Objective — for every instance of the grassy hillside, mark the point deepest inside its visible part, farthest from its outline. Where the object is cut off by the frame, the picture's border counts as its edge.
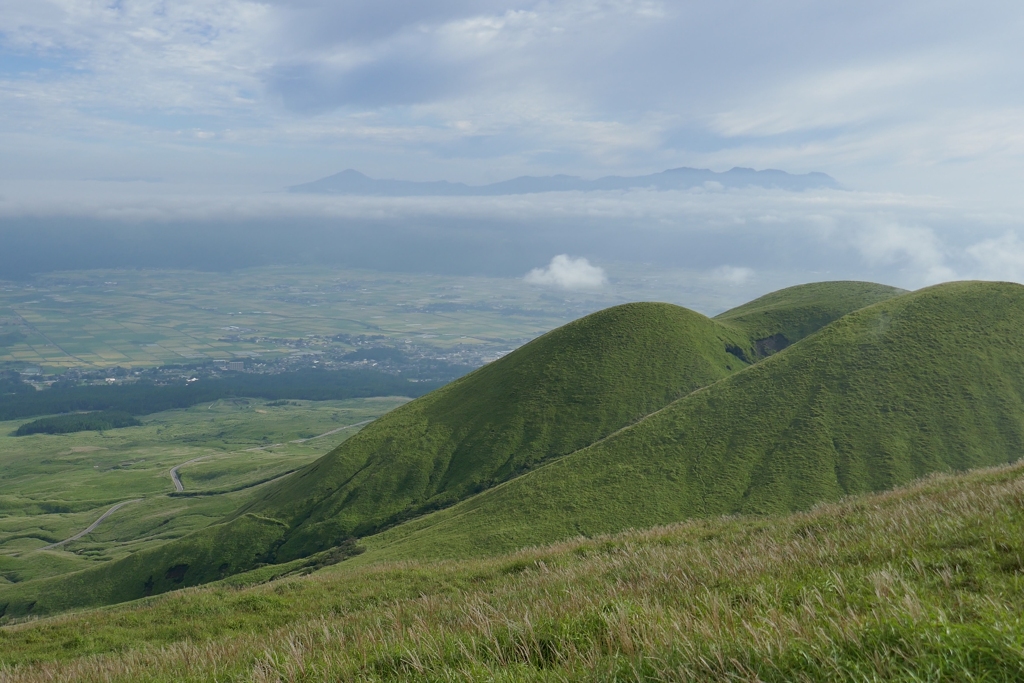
(928, 381)
(776, 320)
(552, 441)
(919, 584)
(554, 396)
(55, 486)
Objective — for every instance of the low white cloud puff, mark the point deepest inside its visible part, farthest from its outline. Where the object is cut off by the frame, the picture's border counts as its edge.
(733, 275)
(568, 273)
(999, 258)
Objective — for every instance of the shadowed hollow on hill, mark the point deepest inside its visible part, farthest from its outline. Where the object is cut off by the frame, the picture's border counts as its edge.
(776, 320)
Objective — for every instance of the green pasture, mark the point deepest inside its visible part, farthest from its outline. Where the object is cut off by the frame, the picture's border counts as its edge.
(55, 485)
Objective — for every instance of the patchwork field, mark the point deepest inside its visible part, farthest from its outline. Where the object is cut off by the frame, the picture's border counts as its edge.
(56, 485)
(137, 318)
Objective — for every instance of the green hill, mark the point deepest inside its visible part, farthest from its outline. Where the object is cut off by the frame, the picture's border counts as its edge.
(557, 394)
(551, 397)
(636, 415)
(928, 381)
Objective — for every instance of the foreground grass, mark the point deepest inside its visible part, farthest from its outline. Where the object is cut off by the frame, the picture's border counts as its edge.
(923, 583)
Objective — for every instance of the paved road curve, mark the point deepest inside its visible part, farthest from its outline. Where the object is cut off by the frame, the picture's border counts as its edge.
(174, 472)
(318, 436)
(91, 526)
(178, 486)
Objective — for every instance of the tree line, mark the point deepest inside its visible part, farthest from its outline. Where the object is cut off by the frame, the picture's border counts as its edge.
(19, 400)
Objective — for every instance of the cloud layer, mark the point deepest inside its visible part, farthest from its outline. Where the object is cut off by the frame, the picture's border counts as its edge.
(906, 96)
(141, 118)
(739, 238)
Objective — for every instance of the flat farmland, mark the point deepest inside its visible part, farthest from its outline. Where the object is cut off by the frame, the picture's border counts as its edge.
(154, 318)
(138, 318)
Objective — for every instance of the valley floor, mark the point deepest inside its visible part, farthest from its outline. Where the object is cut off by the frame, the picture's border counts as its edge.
(925, 583)
(180, 470)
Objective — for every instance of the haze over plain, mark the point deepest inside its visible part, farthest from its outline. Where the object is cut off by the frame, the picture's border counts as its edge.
(153, 124)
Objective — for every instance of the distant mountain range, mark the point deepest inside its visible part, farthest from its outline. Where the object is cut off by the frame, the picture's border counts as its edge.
(352, 182)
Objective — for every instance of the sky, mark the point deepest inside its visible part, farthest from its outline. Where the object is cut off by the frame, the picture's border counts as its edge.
(143, 109)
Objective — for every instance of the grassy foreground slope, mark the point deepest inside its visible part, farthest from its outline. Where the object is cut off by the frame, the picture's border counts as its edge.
(928, 381)
(918, 584)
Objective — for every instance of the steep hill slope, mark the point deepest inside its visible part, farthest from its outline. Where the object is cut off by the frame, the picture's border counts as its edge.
(551, 397)
(554, 396)
(928, 381)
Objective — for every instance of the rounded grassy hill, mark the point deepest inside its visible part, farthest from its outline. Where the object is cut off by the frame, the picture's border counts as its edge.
(776, 320)
(637, 415)
(930, 381)
(555, 395)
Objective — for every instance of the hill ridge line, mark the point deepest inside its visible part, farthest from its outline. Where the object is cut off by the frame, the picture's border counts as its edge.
(552, 461)
(665, 407)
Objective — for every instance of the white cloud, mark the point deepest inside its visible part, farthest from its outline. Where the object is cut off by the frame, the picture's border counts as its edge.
(914, 248)
(733, 275)
(568, 273)
(999, 258)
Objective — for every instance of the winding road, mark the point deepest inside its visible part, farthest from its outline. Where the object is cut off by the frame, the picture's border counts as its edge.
(179, 487)
(91, 526)
(174, 470)
(333, 431)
